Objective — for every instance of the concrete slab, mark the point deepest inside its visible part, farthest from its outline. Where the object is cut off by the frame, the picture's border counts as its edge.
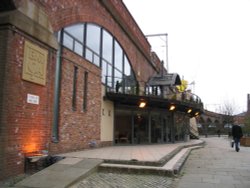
(172, 167)
(143, 158)
(61, 174)
(152, 153)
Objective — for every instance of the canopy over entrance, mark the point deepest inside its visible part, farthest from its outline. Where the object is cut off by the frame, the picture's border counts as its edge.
(165, 80)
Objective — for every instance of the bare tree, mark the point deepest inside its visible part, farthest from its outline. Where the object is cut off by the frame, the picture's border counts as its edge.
(228, 109)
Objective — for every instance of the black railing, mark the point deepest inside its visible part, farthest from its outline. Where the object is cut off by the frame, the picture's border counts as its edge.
(122, 86)
(185, 97)
(132, 87)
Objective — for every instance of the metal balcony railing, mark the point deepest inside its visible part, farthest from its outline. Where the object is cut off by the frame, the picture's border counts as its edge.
(130, 86)
(122, 86)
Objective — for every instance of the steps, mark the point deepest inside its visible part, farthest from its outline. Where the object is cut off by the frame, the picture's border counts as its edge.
(156, 159)
(171, 167)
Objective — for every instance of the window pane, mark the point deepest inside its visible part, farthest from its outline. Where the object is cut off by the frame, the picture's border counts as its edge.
(96, 60)
(118, 75)
(89, 55)
(76, 31)
(93, 38)
(127, 67)
(118, 56)
(107, 46)
(109, 74)
(104, 71)
(68, 41)
(92, 57)
(78, 48)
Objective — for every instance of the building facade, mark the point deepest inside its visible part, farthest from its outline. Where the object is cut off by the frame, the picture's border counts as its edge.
(210, 122)
(72, 79)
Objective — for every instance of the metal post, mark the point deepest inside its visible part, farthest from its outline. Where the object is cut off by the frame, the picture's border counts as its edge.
(166, 35)
(133, 127)
(172, 128)
(149, 127)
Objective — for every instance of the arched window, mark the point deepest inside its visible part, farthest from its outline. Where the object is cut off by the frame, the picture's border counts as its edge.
(99, 47)
(73, 38)
(93, 38)
(118, 56)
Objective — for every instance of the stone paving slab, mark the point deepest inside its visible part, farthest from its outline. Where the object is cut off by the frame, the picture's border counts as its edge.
(217, 165)
(171, 168)
(142, 153)
(61, 174)
(78, 165)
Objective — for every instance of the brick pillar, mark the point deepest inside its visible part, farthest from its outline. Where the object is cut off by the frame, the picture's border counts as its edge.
(3, 54)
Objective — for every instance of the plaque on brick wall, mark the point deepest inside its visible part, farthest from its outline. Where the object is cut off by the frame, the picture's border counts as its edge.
(35, 63)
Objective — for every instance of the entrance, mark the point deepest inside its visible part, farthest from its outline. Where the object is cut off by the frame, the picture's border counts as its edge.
(161, 127)
(123, 127)
(142, 126)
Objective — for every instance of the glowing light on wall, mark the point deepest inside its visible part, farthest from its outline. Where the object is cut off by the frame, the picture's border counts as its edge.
(172, 107)
(197, 113)
(32, 142)
(30, 147)
(142, 104)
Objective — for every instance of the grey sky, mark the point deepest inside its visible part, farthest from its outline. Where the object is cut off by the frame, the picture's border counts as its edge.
(208, 43)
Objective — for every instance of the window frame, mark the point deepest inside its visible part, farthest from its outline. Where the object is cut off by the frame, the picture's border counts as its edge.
(93, 55)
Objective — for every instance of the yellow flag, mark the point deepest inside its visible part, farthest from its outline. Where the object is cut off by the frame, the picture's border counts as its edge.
(183, 86)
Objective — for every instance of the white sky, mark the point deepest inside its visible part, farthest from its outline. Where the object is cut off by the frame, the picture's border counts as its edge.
(208, 43)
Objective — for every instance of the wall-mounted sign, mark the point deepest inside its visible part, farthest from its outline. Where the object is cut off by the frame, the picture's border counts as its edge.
(35, 63)
(32, 99)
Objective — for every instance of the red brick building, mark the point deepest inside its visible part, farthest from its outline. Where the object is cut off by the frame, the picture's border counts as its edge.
(72, 73)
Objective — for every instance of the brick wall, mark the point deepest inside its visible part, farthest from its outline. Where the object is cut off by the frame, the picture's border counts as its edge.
(64, 12)
(77, 128)
(26, 126)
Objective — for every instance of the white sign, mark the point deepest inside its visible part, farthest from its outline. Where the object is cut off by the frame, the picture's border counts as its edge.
(32, 99)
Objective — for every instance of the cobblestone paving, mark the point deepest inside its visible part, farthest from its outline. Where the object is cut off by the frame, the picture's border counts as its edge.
(115, 180)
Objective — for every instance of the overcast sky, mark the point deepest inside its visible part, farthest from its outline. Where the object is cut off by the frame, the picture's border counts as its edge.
(208, 43)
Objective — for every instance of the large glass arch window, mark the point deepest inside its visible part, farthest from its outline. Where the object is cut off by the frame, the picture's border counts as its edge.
(127, 67)
(76, 31)
(107, 57)
(73, 38)
(107, 46)
(93, 43)
(99, 47)
(118, 61)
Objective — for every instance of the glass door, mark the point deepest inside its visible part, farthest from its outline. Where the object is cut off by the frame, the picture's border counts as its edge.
(156, 127)
(123, 127)
(140, 127)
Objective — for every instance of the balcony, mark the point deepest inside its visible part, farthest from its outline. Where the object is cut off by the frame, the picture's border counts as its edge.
(132, 93)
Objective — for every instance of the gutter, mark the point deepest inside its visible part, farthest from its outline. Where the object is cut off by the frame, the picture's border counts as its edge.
(56, 103)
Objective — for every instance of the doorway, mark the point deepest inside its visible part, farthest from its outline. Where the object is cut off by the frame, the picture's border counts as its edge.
(133, 126)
